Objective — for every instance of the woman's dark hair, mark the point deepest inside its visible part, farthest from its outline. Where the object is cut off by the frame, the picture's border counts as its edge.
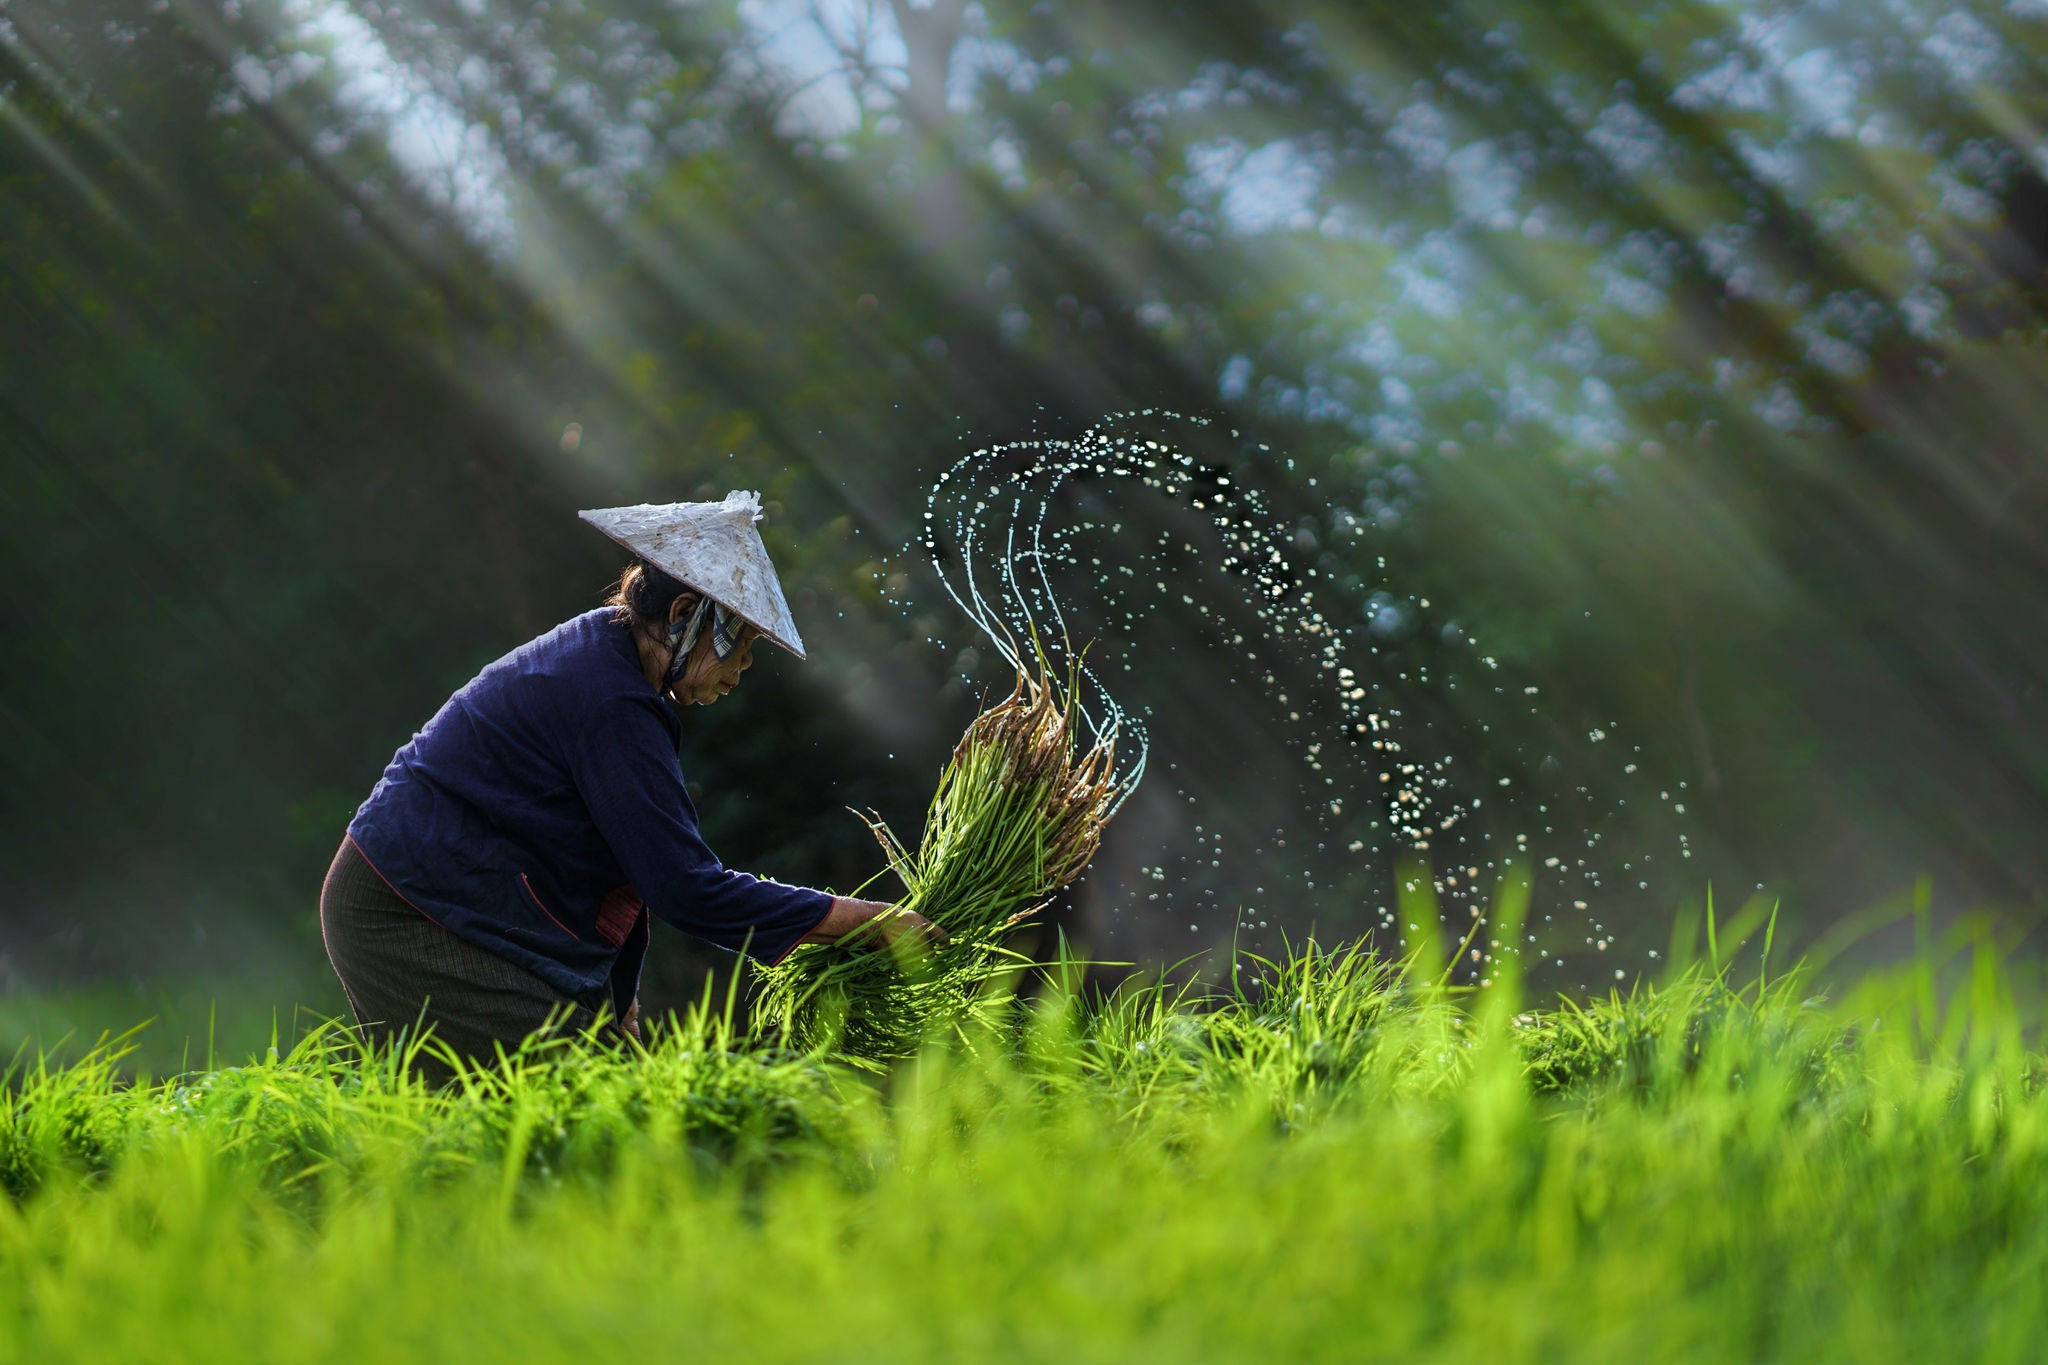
(643, 595)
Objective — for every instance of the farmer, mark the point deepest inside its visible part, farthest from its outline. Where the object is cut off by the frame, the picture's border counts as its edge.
(498, 881)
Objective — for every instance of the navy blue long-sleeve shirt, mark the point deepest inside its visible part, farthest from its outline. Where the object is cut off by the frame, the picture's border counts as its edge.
(541, 813)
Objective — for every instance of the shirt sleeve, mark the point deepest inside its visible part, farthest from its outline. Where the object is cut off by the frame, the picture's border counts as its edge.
(628, 776)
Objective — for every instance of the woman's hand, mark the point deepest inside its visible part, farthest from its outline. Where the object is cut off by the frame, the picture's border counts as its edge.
(909, 934)
(903, 931)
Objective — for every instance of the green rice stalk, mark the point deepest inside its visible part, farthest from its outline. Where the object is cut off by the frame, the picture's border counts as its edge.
(1018, 814)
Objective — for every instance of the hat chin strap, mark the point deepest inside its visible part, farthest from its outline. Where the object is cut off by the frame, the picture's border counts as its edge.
(683, 633)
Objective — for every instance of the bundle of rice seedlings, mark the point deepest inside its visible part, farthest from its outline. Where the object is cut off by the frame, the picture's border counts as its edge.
(1018, 813)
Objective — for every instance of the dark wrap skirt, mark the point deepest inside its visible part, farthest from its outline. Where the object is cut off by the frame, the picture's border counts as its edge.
(403, 973)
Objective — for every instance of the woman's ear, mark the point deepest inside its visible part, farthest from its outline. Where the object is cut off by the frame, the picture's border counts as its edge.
(685, 603)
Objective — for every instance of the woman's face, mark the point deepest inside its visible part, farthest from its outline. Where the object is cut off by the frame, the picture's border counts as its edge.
(707, 677)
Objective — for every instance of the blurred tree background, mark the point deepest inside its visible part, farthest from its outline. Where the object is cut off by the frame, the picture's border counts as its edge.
(1686, 356)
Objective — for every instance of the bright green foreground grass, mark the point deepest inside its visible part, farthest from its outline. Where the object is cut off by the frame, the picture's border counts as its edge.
(1339, 1164)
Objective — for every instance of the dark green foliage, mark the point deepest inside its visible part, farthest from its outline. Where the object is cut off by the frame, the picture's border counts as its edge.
(271, 402)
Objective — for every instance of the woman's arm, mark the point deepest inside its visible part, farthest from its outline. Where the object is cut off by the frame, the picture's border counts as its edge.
(626, 771)
(896, 926)
(623, 764)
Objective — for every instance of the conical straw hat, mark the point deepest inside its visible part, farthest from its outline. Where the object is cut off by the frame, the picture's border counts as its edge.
(713, 547)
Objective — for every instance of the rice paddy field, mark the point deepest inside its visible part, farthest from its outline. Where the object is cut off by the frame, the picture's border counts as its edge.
(1334, 1157)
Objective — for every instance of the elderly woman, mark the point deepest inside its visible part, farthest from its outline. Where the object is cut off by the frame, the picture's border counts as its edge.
(498, 880)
